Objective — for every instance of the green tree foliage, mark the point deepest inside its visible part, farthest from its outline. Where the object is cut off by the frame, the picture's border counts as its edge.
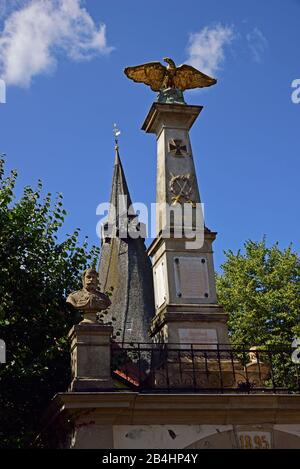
(260, 291)
(36, 274)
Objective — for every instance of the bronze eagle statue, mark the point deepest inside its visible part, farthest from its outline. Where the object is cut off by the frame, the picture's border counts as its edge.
(159, 77)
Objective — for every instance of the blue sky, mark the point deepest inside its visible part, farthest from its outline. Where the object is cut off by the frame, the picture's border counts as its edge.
(66, 88)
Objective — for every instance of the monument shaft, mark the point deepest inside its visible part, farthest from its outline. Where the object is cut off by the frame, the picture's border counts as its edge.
(183, 271)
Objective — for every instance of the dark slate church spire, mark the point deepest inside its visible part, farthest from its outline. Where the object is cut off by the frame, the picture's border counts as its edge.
(125, 266)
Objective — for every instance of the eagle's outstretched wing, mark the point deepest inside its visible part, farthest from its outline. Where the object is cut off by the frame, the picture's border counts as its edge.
(152, 74)
(188, 77)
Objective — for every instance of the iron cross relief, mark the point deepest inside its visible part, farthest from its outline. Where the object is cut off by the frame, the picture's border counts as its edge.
(177, 148)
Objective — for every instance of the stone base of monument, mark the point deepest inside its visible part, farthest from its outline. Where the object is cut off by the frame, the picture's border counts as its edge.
(198, 324)
(90, 357)
(210, 374)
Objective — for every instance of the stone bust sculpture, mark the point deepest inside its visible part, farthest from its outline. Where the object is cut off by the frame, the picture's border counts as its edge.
(89, 299)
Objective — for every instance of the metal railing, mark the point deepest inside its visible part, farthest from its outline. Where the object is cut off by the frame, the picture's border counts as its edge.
(203, 368)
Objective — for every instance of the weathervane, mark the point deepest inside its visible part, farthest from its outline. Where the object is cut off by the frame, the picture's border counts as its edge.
(116, 133)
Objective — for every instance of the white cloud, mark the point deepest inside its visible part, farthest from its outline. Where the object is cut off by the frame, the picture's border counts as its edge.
(257, 43)
(206, 48)
(34, 34)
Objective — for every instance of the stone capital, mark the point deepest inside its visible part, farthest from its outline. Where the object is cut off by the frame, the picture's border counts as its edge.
(170, 115)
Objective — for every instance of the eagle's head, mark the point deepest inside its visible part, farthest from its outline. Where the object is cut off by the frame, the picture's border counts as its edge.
(170, 62)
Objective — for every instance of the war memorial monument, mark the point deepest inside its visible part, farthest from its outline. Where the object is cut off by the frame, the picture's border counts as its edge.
(171, 379)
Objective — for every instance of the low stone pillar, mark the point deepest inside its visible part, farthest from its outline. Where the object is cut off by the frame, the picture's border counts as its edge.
(90, 357)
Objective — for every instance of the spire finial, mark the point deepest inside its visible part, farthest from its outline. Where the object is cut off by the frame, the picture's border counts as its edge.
(116, 133)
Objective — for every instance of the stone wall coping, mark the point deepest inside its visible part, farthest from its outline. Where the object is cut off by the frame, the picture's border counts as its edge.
(123, 408)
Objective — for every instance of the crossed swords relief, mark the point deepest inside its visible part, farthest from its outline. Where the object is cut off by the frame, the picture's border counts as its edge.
(181, 187)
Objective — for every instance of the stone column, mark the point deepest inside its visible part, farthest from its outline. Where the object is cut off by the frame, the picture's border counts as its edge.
(175, 164)
(90, 357)
(184, 277)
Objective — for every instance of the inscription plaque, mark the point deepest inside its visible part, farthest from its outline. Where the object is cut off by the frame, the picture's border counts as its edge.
(202, 338)
(159, 284)
(191, 277)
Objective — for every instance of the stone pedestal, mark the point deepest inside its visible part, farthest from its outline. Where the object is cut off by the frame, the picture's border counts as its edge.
(202, 326)
(90, 357)
(186, 305)
(183, 270)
